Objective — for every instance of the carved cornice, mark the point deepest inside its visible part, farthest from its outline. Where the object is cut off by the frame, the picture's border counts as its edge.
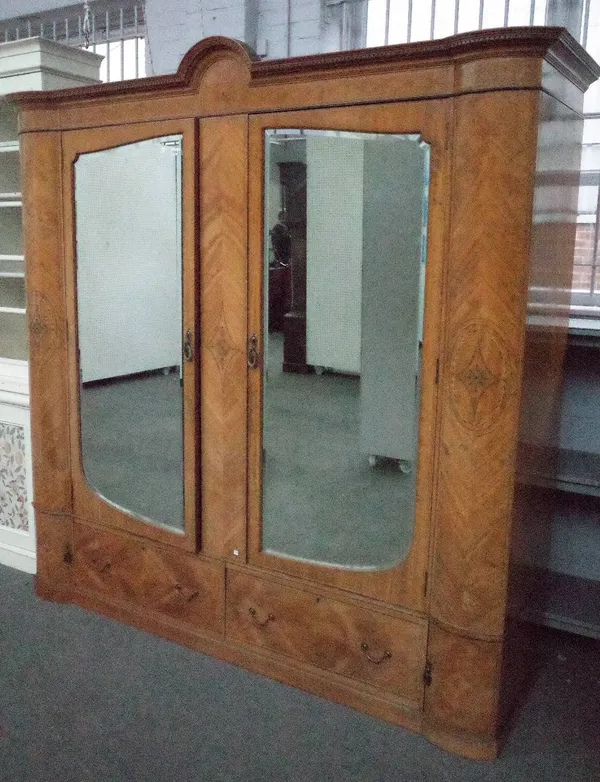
(199, 56)
(554, 44)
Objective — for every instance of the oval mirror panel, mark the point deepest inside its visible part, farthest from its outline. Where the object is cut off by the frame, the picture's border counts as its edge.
(345, 234)
(129, 326)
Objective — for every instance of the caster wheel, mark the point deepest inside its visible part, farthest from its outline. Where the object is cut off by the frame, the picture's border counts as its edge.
(319, 370)
(372, 461)
(404, 466)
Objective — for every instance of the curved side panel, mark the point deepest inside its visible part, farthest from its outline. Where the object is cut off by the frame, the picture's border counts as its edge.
(461, 703)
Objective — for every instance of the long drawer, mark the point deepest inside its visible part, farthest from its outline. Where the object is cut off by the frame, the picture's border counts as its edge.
(178, 585)
(385, 651)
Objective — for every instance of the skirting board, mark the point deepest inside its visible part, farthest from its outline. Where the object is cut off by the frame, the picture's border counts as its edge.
(18, 558)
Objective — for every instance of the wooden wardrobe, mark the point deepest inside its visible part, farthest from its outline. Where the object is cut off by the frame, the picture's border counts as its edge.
(407, 605)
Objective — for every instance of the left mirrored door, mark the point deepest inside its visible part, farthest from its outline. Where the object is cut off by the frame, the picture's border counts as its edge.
(134, 332)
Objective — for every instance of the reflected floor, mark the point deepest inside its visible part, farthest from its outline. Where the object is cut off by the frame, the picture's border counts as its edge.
(132, 444)
(321, 499)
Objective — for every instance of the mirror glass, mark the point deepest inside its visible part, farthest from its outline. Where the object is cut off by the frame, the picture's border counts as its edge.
(344, 269)
(129, 312)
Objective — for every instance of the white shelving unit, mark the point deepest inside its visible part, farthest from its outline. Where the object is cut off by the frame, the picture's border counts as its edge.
(28, 64)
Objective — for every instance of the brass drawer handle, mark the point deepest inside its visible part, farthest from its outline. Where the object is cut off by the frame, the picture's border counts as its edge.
(185, 592)
(253, 354)
(257, 622)
(377, 660)
(101, 565)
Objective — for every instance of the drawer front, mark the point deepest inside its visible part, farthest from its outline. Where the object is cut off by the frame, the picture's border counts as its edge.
(385, 651)
(175, 584)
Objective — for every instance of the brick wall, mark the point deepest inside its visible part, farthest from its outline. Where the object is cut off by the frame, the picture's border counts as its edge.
(172, 28)
(306, 25)
(583, 260)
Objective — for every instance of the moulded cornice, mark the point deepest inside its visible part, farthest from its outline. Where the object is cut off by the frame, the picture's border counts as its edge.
(553, 44)
(197, 58)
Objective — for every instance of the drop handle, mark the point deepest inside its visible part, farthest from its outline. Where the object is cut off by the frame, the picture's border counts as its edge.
(101, 565)
(188, 350)
(253, 357)
(257, 622)
(376, 660)
(186, 593)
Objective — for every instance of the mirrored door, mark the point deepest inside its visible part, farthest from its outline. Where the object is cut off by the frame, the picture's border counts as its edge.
(345, 355)
(135, 329)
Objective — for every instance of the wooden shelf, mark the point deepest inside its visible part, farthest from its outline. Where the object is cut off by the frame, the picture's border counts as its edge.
(577, 472)
(567, 603)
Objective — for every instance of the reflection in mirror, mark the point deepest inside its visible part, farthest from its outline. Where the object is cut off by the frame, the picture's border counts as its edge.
(128, 274)
(345, 229)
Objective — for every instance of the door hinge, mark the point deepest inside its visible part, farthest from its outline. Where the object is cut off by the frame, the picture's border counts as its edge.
(427, 674)
(68, 555)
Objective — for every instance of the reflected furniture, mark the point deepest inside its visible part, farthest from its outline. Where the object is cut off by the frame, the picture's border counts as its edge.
(27, 64)
(292, 178)
(430, 639)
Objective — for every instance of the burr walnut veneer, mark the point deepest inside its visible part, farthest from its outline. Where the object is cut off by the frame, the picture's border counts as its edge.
(433, 643)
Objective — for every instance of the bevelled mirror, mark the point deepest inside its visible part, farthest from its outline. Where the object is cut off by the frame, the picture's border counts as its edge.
(129, 323)
(345, 219)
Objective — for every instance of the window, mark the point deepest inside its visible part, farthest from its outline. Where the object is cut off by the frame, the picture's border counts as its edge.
(400, 21)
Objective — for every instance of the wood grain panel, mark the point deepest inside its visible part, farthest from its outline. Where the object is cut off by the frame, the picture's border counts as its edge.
(487, 272)
(353, 641)
(223, 281)
(54, 534)
(404, 584)
(461, 704)
(48, 362)
(180, 586)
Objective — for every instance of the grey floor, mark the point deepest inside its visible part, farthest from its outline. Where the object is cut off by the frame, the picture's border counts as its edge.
(84, 698)
(321, 499)
(132, 444)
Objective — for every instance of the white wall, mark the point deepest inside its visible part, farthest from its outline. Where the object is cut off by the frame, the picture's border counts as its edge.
(303, 20)
(128, 261)
(334, 244)
(172, 28)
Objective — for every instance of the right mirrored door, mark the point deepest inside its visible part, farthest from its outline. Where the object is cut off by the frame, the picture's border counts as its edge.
(344, 248)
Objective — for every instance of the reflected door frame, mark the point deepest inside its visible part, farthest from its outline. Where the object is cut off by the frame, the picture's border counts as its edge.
(405, 584)
(87, 503)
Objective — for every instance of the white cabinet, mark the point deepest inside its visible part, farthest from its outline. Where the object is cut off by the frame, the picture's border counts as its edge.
(28, 64)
